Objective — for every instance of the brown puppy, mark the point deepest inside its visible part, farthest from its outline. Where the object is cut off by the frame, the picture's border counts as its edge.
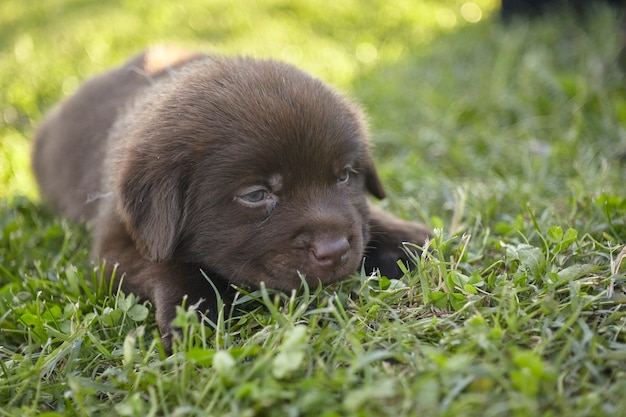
(248, 170)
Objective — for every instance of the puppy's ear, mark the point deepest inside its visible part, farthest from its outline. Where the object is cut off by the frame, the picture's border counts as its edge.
(152, 206)
(372, 181)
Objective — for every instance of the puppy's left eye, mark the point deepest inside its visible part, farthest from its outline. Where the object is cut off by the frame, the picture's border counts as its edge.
(344, 176)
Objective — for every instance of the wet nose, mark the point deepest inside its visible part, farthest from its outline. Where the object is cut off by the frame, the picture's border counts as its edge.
(330, 252)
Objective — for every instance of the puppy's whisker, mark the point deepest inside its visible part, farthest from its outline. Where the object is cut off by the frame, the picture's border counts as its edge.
(97, 196)
(145, 74)
(237, 275)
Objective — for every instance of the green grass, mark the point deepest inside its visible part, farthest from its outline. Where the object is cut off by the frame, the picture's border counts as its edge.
(509, 141)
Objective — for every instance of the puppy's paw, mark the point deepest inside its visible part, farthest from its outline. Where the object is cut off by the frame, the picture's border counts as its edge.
(166, 315)
(385, 247)
(186, 285)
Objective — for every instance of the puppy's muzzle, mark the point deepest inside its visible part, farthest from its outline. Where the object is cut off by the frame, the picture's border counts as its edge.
(329, 253)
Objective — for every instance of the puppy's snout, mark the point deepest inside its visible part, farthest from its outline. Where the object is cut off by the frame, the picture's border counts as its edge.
(330, 252)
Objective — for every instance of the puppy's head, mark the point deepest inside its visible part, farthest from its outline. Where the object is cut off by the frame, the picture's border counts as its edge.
(251, 169)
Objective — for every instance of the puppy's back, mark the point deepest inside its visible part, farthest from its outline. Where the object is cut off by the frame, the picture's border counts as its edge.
(71, 143)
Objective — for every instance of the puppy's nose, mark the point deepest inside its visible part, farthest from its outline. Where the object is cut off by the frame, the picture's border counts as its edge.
(330, 252)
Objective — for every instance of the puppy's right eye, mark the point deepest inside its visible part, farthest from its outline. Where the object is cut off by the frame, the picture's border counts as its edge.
(255, 196)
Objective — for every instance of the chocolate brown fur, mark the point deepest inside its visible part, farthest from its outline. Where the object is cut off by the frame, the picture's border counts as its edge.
(249, 170)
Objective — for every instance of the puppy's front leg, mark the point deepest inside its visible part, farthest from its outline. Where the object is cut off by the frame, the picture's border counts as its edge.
(172, 282)
(387, 233)
(165, 284)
